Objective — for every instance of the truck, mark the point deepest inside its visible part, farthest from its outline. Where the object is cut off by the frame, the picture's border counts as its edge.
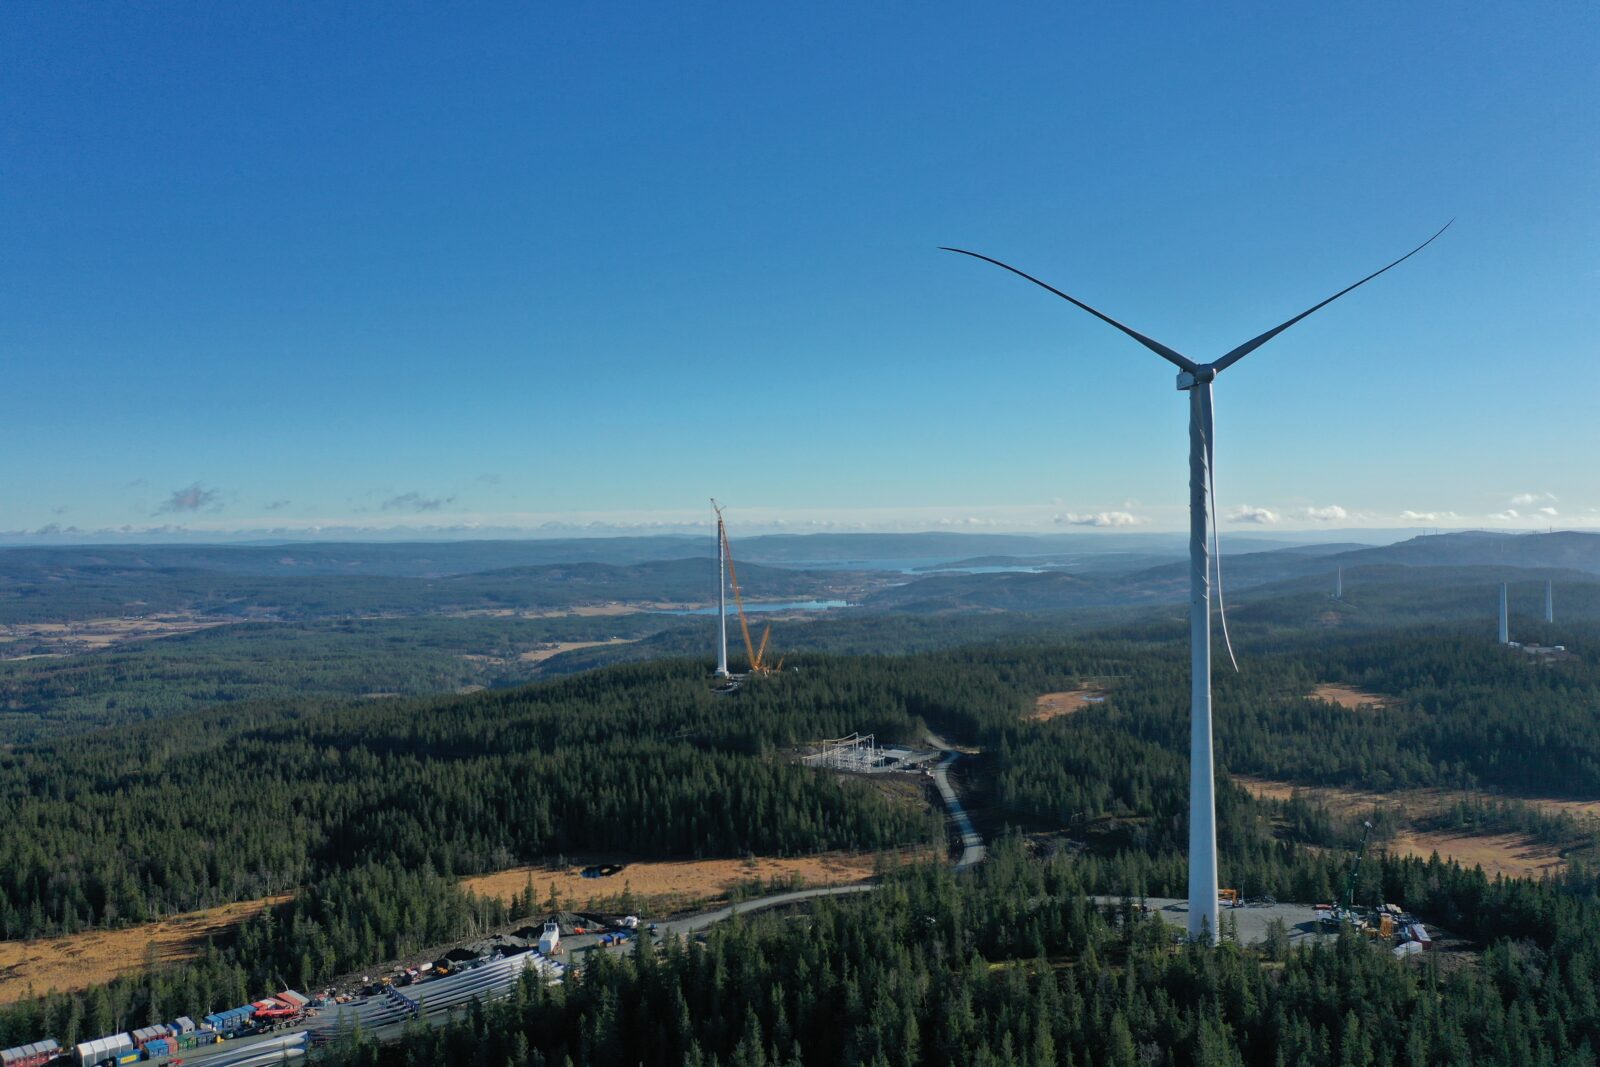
(550, 939)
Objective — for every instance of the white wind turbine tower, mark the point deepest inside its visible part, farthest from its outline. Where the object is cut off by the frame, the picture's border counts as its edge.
(722, 596)
(1195, 379)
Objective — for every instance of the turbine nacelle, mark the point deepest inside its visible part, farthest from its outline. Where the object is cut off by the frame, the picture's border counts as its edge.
(1188, 379)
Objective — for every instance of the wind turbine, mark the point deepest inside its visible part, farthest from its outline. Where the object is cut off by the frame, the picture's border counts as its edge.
(722, 596)
(1195, 379)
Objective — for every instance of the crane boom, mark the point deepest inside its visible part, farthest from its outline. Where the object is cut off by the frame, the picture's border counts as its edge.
(1355, 869)
(758, 656)
(738, 599)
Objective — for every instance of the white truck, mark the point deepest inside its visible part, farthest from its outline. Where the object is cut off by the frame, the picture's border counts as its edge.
(550, 940)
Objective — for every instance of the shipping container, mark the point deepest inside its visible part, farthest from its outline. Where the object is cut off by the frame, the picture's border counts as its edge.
(35, 1055)
(197, 1039)
(99, 1050)
(181, 1025)
(227, 1021)
(145, 1034)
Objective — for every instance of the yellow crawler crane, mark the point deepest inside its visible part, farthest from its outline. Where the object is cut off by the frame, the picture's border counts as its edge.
(758, 656)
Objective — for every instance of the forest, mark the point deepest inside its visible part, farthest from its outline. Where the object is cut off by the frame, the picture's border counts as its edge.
(261, 797)
(372, 809)
(1016, 966)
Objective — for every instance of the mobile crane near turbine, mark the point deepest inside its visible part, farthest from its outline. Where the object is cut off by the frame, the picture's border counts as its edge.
(756, 654)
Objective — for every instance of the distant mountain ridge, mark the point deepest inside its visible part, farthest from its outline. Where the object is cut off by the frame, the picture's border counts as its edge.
(1486, 554)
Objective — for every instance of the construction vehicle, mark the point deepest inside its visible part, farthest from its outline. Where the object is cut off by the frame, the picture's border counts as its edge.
(1229, 897)
(759, 663)
(550, 939)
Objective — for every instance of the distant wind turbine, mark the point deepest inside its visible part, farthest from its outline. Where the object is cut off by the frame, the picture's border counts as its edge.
(1195, 379)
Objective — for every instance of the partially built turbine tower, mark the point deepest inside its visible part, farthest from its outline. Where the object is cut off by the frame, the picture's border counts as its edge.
(1505, 617)
(1549, 600)
(722, 595)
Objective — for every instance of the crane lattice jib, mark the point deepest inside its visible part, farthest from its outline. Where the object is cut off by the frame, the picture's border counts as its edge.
(738, 599)
(1355, 870)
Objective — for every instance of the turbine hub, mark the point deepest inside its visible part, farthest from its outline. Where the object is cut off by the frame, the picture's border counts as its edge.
(1202, 374)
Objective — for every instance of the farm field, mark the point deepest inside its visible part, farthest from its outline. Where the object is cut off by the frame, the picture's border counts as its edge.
(32, 640)
(78, 961)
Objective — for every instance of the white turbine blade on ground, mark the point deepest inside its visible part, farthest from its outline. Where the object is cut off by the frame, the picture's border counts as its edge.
(1180, 361)
(1209, 427)
(1250, 346)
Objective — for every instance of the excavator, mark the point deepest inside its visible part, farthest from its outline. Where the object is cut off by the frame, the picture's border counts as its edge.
(759, 663)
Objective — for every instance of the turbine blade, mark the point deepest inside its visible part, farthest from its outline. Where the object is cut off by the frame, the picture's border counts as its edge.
(1208, 430)
(1177, 360)
(1250, 346)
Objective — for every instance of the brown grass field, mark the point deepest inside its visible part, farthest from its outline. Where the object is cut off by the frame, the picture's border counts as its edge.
(1054, 705)
(78, 961)
(1514, 855)
(1347, 696)
(555, 648)
(668, 886)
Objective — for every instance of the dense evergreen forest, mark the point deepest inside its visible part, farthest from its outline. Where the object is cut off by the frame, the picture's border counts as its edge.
(1015, 966)
(263, 797)
(348, 920)
(118, 827)
(373, 809)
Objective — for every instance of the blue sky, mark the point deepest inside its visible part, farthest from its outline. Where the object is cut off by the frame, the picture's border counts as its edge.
(344, 268)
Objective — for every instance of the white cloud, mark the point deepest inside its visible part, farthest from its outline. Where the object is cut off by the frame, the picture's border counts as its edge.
(1551, 512)
(1103, 519)
(1428, 516)
(1259, 516)
(1331, 513)
(1507, 515)
(193, 498)
(1524, 499)
(970, 522)
(415, 501)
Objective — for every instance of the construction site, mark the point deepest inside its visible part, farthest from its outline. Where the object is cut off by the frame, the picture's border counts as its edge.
(757, 661)
(861, 754)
